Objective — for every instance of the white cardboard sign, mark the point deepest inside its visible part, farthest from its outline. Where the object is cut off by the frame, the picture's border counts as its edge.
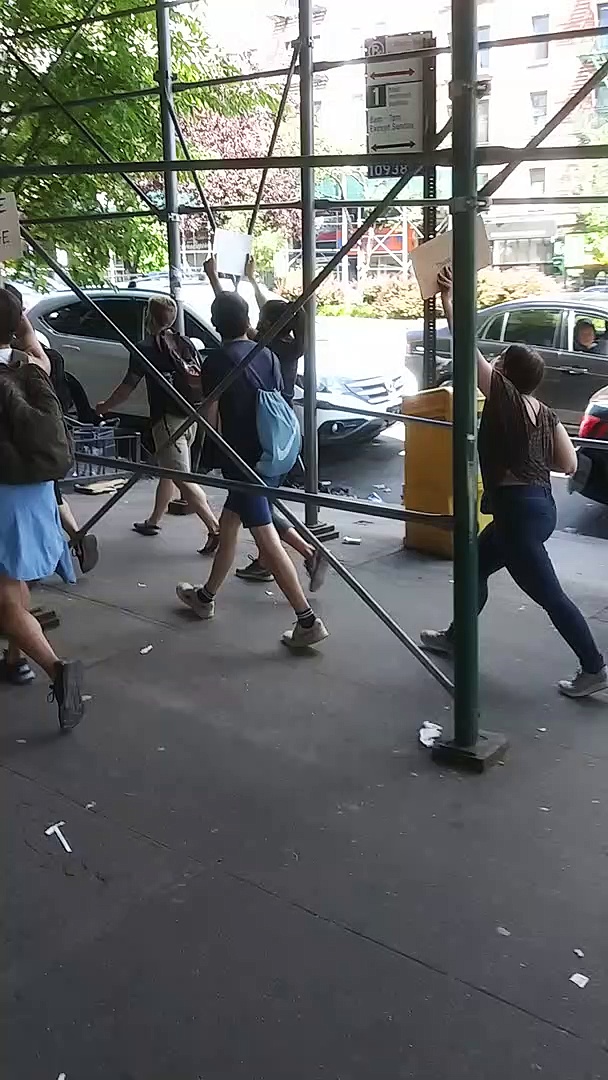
(231, 250)
(10, 237)
(428, 259)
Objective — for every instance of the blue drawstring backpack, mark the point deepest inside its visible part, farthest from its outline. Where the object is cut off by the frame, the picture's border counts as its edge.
(278, 428)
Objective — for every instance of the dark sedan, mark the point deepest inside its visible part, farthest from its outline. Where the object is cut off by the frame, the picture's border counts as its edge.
(570, 331)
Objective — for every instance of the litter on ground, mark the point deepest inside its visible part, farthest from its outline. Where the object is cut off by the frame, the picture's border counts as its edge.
(146, 650)
(429, 733)
(579, 980)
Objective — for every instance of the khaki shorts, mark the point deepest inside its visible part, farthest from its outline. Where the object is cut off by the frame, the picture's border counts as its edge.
(176, 456)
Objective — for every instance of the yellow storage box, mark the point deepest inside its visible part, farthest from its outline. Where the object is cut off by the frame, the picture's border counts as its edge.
(428, 470)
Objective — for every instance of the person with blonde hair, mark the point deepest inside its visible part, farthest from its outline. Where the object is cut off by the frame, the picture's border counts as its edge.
(176, 358)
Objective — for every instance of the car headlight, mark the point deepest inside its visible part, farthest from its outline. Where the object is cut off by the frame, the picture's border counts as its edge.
(330, 384)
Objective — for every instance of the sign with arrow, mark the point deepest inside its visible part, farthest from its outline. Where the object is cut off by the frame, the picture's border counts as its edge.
(394, 100)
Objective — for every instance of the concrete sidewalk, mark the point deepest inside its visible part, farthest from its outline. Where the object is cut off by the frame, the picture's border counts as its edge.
(271, 878)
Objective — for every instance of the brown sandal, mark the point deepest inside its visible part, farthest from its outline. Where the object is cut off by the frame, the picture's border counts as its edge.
(212, 544)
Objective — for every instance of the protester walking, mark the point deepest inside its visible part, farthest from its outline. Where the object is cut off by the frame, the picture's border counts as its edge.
(288, 347)
(237, 410)
(520, 441)
(176, 358)
(85, 548)
(34, 451)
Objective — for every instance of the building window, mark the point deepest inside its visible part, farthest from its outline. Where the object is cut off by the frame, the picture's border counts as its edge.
(483, 34)
(538, 102)
(540, 25)
(483, 121)
(602, 20)
(537, 182)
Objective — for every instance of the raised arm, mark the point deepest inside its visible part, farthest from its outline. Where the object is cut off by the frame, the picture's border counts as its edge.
(210, 268)
(260, 298)
(484, 368)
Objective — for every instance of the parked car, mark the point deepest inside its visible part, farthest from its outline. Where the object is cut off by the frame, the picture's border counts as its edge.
(572, 376)
(591, 478)
(97, 360)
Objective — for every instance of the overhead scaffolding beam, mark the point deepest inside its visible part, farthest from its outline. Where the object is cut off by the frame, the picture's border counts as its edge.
(320, 204)
(485, 155)
(319, 67)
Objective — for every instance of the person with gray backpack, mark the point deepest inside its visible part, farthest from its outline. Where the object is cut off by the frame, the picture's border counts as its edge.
(259, 425)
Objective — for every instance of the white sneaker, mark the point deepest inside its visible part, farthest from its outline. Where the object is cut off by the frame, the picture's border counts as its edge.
(316, 568)
(188, 594)
(302, 637)
(583, 684)
(437, 641)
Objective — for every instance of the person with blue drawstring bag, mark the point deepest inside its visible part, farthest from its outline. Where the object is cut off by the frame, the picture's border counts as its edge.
(259, 425)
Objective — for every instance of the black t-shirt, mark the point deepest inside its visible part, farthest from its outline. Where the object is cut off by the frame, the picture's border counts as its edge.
(238, 404)
(159, 401)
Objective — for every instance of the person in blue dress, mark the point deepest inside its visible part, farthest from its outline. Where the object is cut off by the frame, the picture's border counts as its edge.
(32, 546)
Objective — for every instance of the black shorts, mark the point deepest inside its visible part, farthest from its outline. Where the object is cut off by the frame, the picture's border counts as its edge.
(58, 495)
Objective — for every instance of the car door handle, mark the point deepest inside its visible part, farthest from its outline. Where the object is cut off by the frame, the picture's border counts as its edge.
(74, 348)
(577, 371)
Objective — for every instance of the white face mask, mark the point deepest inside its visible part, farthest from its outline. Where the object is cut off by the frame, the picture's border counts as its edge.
(5, 355)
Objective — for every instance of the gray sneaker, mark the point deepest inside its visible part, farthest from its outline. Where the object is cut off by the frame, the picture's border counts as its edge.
(437, 641)
(302, 638)
(188, 594)
(316, 568)
(583, 684)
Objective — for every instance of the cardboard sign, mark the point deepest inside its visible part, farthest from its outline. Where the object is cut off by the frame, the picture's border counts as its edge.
(10, 237)
(231, 250)
(428, 259)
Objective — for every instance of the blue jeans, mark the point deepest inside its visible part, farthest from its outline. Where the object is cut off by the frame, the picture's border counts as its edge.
(524, 519)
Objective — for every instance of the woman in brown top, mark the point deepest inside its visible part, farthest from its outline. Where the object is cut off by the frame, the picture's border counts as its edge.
(520, 441)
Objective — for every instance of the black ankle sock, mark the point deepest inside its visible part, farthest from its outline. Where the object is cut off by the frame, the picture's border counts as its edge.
(205, 596)
(306, 619)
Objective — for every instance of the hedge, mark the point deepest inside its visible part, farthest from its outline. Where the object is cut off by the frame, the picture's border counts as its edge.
(394, 298)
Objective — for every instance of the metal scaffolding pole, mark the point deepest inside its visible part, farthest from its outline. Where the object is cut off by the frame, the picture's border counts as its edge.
(467, 745)
(165, 82)
(309, 266)
(184, 145)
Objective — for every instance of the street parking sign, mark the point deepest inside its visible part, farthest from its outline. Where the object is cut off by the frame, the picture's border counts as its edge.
(394, 100)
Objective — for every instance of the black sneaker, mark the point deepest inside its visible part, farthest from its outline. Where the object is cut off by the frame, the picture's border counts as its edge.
(66, 690)
(254, 572)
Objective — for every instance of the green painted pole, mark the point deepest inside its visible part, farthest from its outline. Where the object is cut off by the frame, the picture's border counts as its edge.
(466, 644)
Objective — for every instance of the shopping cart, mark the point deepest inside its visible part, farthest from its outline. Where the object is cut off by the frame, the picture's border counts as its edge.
(104, 440)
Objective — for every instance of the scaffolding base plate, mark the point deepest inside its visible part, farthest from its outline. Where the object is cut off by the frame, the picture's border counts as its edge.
(324, 531)
(489, 749)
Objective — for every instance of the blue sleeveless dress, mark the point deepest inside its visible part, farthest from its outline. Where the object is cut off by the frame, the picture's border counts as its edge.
(32, 544)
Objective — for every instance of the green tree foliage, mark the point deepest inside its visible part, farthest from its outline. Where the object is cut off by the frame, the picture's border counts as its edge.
(103, 58)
